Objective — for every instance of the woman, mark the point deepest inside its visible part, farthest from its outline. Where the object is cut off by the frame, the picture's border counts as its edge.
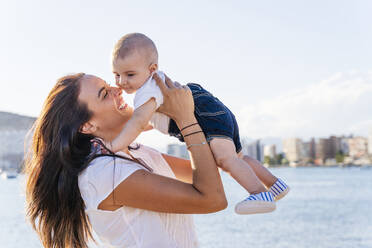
(130, 199)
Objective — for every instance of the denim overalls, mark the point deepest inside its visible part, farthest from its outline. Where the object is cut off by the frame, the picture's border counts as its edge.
(215, 119)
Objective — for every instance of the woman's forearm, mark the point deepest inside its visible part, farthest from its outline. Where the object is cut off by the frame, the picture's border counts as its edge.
(206, 178)
(206, 185)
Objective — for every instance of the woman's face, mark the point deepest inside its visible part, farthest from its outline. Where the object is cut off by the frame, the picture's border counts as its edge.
(110, 112)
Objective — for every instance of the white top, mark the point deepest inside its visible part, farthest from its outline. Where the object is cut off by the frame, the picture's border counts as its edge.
(132, 227)
(151, 90)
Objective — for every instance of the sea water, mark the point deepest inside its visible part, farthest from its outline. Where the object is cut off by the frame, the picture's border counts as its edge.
(326, 208)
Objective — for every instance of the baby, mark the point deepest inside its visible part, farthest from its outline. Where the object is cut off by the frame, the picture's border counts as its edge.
(135, 59)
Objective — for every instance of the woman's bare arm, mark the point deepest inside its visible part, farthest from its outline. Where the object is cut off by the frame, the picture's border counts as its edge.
(180, 167)
(149, 191)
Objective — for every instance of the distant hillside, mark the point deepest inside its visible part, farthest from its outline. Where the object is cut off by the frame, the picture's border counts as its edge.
(10, 121)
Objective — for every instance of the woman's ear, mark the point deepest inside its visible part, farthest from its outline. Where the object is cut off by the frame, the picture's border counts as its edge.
(153, 67)
(88, 128)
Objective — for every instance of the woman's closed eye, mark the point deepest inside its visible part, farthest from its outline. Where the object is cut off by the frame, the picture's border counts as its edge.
(106, 93)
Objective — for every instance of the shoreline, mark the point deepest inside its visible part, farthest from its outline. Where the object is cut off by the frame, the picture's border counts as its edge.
(321, 166)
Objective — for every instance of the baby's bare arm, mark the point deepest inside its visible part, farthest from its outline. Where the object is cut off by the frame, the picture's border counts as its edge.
(136, 124)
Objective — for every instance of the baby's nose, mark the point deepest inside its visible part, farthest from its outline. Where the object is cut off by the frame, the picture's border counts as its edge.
(122, 81)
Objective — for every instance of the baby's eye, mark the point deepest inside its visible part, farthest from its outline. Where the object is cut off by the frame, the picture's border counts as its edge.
(130, 74)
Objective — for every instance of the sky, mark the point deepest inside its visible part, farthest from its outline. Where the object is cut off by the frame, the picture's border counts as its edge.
(285, 68)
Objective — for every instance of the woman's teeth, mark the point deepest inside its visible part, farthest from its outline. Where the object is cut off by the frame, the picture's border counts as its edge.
(122, 106)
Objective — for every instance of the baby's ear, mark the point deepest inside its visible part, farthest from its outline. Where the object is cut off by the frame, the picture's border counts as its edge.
(153, 67)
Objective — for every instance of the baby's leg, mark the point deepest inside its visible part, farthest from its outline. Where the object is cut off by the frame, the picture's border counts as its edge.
(276, 186)
(228, 160)
(260, 201)
(262, 173)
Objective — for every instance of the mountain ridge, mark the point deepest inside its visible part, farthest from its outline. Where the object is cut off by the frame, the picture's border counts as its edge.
(11, 121)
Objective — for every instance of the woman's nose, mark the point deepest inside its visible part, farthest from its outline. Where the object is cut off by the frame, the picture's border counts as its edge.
(115, 90)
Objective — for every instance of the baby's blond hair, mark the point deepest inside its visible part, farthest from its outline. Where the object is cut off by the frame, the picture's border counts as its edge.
(135, 42)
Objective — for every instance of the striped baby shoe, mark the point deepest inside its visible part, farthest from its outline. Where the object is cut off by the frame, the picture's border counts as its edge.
(279, 189)
(256, 204)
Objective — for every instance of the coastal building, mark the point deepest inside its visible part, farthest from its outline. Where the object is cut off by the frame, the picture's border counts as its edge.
(253, 149)
(178, 150)
(270, 151)
(345, 145)
(323, 151)
(334, 146)
(358, 147)
(292, 147)
(308, 151)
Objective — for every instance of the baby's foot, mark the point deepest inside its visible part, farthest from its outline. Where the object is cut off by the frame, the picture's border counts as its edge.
(256, 204)
(279, 189)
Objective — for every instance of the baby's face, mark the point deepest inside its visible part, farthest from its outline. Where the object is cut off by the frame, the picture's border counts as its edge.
(131, 72)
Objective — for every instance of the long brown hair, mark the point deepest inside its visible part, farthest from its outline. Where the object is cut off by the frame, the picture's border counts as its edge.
(59, 152)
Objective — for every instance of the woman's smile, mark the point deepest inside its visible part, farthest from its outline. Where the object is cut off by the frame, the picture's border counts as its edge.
(119, 101)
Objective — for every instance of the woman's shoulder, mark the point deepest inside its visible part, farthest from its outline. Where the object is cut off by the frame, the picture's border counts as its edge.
(104, 166)
(140, 148)
(154, 160)
(102, 175)
(151, 155)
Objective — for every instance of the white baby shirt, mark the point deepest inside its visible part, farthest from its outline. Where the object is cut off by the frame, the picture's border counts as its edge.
(151, 90)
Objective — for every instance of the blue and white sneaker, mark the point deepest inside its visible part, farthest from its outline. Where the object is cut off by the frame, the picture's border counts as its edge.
(256, 204)
(279, 189)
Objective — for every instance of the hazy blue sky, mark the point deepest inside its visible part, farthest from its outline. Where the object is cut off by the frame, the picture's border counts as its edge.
(286, 68)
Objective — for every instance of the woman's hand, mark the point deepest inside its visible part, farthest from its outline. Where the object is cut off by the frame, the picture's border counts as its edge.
(178, 101)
